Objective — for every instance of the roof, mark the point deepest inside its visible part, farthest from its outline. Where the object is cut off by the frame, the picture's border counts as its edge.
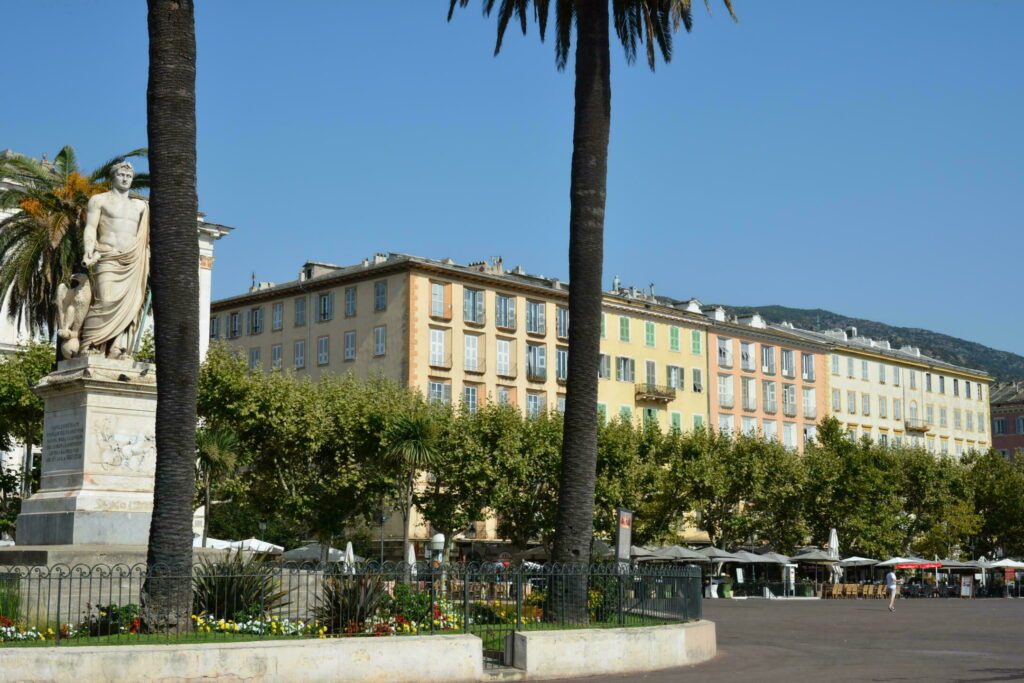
(1009, 392)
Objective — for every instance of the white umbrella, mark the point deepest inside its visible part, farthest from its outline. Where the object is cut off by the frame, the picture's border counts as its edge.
(255, 545)
(350, 558)
(833, 543)
(856, 561)
(312, 552)
(215, 543)
(410, 559)
(1007, 564)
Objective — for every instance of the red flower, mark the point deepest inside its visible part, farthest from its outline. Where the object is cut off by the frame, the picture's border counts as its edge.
(5, 622)
(135, 626)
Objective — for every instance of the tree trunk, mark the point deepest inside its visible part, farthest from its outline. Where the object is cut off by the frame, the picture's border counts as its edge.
(206, 506)
(174, 265)
(575, 519)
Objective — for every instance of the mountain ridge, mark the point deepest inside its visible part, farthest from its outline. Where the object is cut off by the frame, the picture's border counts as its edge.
(1002, 365)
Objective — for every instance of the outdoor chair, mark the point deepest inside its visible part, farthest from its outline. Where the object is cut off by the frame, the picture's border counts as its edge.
(826, 591)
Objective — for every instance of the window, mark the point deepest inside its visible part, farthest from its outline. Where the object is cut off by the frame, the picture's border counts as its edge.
(471, 354)
(807, 366)
(695, 345)
(897, 409)
(1020, 425)
(604, 369)
(535, 317)
(748, 425)
(380, 340)
(928, 381)
(473, 306)
(929, 414)
(350, 302)
(957, 419)
(562, 322)
(300, 311)
(970, 420)
(234, 326)
(560, 404)
(810, 433)
(534, 404)
(469, 397)
(505, 312)
(602, 413)
(943, 417)
(788, 364)
(698, 382)
(851, 402)
(865, 403)
(324, 307)
(255, 317)
(677, 422)
(277, 316)
(768, 398)
(676, 377)
(698, 421)
(967, 389)
(849, 368)
(837, 401)
(438, 348)
(747, 361)
(504, 395)
(865, 368)
(440, 301)
(956, 387)
(883, 407)
(726, 398)
(536, 362)
(626, 413)
(673, 338)
(789, 400)
(980, 391)
(883, 439)
(300, 354)
(380, 295)
(770, 429)
(350, 345)
(323, 350)
(275, 357)
(439, 392)
(649, 333)
(748, 393)
(651, 376)
(896, 376)
(651, 416)
(767, 359)
(214, 327)
(604, 331)
(835, 364)
(623, 328)
(981, 423)
(942, 384)
(726, 424)
(810, 399)
(789, 435)
(254, 358)
(724, 352)
(561, 364)
(625, 369)
(503, 355)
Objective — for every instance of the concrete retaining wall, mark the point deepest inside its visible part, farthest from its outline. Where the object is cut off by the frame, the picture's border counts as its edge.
(390, 660)
(591, 652)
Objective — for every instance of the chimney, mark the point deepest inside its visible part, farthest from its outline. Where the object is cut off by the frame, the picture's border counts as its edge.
(851, 332)
(379, 257)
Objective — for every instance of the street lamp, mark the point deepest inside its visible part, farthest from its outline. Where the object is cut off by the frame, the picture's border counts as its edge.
(436, 547)
(381, 519)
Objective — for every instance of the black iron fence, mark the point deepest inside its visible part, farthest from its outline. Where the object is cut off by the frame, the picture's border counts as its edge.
(236, 598)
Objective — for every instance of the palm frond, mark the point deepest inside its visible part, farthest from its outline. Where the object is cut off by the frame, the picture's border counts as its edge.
(101, 173)
(24, 170)
(565, 14)
(411, 440)
(66, 162)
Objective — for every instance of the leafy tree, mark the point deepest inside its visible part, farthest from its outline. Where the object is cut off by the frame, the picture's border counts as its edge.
(41, 242)
(216, 455)
(938, 502)
(21, 411)
(998, 486)
(630, 470)
(637, 22)
(10, 501)
(174, 204)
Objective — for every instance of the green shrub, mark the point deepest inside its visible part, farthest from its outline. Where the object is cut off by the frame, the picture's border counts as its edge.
(236, 587)
(112, 619)
(10, 598)
(410, 604)
(347, 602)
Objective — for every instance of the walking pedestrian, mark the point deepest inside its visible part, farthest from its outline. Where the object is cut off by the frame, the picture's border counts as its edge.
(891, 586)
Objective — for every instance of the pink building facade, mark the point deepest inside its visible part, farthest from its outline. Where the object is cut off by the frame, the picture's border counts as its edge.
(1007, 404)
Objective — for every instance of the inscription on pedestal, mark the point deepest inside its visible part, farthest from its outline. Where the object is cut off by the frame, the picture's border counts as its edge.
(63, 443)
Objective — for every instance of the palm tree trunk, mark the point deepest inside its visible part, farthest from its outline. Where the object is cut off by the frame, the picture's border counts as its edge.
(171, 110)
(575, 520)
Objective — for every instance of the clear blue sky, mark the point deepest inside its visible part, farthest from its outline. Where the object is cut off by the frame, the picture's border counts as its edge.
(864, 158)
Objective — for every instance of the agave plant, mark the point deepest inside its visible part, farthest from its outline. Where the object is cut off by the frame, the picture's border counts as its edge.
(236, 587)
(348, 601)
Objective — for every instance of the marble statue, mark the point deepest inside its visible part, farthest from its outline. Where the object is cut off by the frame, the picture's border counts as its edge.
(72, 305)
(116, 244)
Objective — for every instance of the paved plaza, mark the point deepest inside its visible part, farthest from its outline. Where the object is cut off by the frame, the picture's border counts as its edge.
(859, 640)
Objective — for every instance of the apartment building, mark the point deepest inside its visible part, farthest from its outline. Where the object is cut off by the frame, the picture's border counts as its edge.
(765, 380)
(900, 396)
(470, 334)
(1007, 405)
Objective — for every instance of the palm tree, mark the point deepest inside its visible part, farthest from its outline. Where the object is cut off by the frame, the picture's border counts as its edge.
(174, 278)
(411, 447)
(216, 454)
(637, 22)
(41, 241)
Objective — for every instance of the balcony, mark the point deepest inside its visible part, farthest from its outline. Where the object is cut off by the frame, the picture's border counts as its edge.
(536, 374)
(478, 366)
(771, 407)
(506, 370)
(810, 412)
(726, 402)
(915, 424)
(442, 312)
(562, 379)
(655, 392)
(789, 409)
(749, 406)
(443, 362)
(506, 323)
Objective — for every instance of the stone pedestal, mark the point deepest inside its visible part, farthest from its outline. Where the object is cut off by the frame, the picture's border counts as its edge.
(99, 456)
